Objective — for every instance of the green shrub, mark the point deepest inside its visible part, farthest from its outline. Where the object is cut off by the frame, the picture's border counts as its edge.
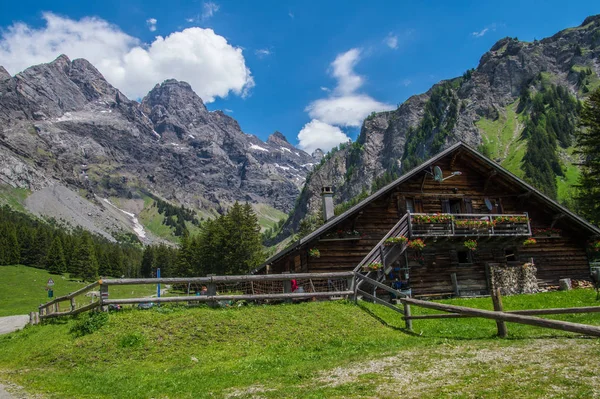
(133, 340)
(89, 323)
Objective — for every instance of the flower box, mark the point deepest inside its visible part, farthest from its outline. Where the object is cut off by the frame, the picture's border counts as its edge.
(395, 241)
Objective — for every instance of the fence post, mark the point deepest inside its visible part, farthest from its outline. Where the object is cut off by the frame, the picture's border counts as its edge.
(407, 315)
(497, 300)
(212, 290)
(103, 293)
(351, 285)
(73, 304)
(287, 287)
(455, 284)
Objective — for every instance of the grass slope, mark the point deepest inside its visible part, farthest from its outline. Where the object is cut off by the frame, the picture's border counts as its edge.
(14, 197)
(267, 215)
(23, 289)
(309, 350)
(501, 137)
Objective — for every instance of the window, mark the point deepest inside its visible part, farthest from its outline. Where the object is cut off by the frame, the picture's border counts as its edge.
(464, 257)
(455, 206)
(510, 254)
(410, 205)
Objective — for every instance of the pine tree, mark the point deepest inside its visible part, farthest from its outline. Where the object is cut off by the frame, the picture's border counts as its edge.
(12, 252)
(588, 140)
(183, 266)
(147, 262)
(86, 263)
(55, 261)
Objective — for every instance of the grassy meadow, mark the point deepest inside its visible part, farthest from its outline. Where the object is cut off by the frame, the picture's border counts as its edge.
(23, 289)
(308, 350)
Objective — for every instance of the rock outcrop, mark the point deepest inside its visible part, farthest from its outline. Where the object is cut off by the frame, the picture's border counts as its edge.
(63, 122)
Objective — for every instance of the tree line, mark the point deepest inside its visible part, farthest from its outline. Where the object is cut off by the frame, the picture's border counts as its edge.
(59, 249)
(228, 244)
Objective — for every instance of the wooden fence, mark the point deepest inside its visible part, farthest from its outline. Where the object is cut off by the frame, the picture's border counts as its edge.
(498, 314)
(273, 287)
(278, 287)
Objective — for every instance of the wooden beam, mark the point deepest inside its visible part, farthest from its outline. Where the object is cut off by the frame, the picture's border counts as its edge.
(488, 180)
(556, 218)
(510, 317)
(455, 158)
(210, 298)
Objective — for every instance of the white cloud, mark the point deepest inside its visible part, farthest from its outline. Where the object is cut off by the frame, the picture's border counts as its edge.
(344, 106)
(229, 111)
(343, 71)
(391, 41)
(348, 110)
(263, 52)
(151, 24)
(326, 89)
(209, 9)
(211, 65)
(316, 134)
(480, 33)
(490, 28)
(406, 82)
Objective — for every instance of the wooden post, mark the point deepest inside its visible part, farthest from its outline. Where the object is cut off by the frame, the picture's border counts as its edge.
(56, 307)
(407, 314)
(497, 300)
(103, 294)
(455, 284)
(510, 317)
(73, 304)
(287, 284)
(351, 282)
(211, 290)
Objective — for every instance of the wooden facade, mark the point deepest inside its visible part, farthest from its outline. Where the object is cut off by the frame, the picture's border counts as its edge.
(344, 241)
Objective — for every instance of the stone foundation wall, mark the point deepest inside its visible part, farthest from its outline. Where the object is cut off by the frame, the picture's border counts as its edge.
(515, 279)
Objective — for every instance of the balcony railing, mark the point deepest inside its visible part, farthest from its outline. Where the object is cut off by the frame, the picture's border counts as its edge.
(468, 224)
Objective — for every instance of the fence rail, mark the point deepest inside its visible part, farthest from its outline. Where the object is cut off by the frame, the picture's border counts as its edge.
(272, 287)
(280, 287)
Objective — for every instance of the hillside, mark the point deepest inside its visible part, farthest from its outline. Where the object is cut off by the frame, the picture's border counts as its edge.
(73, 147)
(519, 106)
(315, 349)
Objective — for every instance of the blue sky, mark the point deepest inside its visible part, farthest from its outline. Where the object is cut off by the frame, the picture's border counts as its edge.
(273, 63)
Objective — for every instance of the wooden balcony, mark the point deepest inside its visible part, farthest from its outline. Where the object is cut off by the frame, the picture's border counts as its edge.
(468, 225)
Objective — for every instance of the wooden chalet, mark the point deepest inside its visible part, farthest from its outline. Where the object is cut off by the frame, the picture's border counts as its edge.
(457, 195)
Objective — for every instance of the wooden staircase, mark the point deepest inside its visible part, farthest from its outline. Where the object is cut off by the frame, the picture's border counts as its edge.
(386, 255)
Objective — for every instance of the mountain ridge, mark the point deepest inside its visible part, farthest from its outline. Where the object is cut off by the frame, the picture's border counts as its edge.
(63, 124)
(392, 142)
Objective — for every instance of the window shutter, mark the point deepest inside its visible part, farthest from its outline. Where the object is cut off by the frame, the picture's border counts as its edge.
(446, 206)
(468, 205)
(418, 203)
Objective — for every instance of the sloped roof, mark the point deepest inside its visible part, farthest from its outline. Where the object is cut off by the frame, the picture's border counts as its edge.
(460, 145)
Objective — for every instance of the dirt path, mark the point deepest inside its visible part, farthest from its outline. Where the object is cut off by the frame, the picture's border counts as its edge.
(9, 324)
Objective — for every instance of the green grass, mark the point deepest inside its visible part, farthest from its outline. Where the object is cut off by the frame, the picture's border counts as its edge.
(153, 222)
(14, 197)
(308, 350)
(502, 139)
(267, 215)
(566, 183)
(23, 289)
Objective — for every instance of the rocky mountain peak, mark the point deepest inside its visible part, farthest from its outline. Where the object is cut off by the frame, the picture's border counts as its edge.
(277, 138)
(590, 19)
(4, 75)
(318, 154)
(174, 106)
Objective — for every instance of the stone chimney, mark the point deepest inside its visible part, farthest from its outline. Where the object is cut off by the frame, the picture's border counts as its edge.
(327, 198)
